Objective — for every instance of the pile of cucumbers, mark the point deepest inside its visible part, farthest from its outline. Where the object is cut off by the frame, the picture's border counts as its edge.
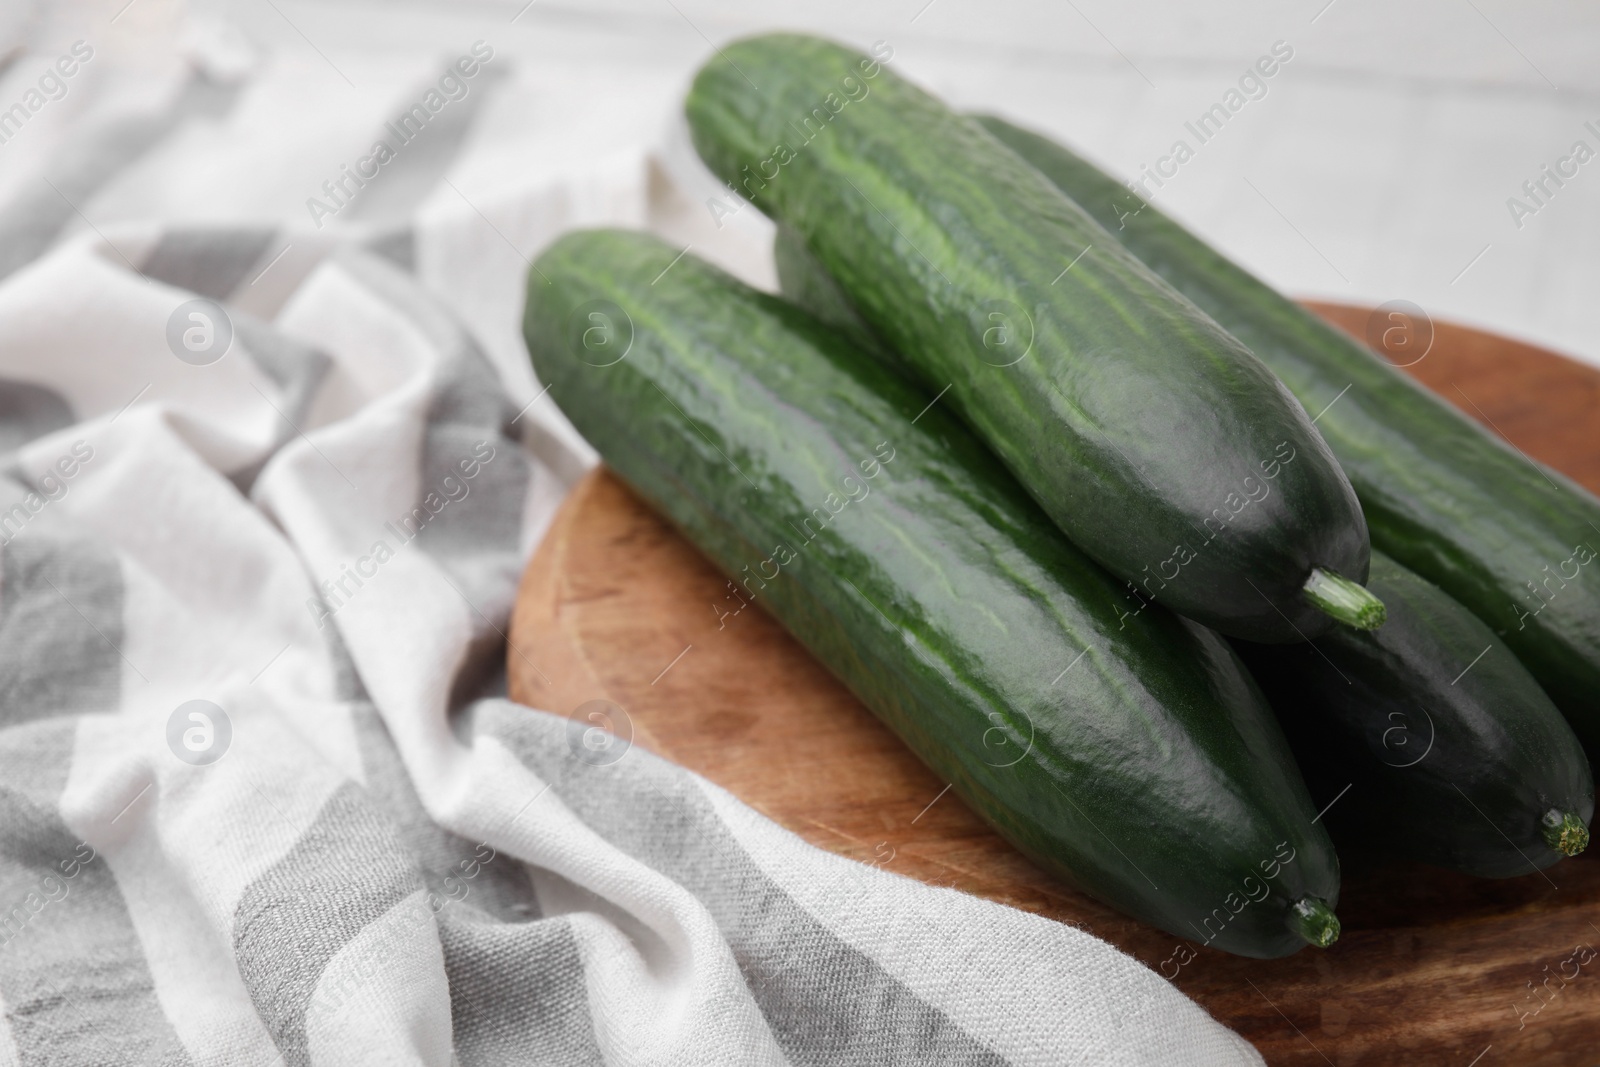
(1029, 468)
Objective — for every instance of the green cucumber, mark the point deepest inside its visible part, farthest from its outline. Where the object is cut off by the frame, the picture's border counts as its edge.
(1121, 747)
(1512, 540)
(805, 282)
(1155, 440)
(1358, 706)
(1351, 704)
(1450, 751)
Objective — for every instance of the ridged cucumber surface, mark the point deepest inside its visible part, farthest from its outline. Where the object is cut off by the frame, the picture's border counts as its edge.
(1154, 439)
(1428, 737)
(1511, 539)
(1126, 750)
(805, 282)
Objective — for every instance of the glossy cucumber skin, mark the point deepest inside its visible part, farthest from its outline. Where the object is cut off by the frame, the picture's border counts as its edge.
(1512, 540)
(1358, 707)
(1105, 394)
(1451, 750)
(1128, 753)
(806, 283)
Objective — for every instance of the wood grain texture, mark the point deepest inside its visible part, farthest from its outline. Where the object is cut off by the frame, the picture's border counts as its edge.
(1432, 969)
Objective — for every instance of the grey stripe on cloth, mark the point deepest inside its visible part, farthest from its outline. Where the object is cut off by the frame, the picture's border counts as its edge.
(31, 220)
(398, 247)
(472, 526)
(825, 1001)
(455, 869)
(28, 411)
(468, 417)
(343, 873)
(60, 627)
(73, 975)
(211, 261)
(484, 525)
(298, 371)
(467, 423)
(473, 476)
(517, 992)
(476, 537)
(393, 195)
(347, 683)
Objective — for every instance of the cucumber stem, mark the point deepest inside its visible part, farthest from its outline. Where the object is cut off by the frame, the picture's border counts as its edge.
(1345, 600)
(1564, 832)
(1312, 919)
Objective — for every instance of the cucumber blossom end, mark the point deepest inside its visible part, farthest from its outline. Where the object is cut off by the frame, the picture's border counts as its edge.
(1344, 600)
(1313, 920)
(1564, 832)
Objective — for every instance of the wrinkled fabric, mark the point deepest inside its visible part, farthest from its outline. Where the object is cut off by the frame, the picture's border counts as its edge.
(260, 798)
(266, 490)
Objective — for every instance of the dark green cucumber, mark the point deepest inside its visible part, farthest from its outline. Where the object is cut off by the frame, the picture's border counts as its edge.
(1512, 540)
(1155, 440)
(1360, 708)
(1451, 752)
(805, 282)
(1126, 750)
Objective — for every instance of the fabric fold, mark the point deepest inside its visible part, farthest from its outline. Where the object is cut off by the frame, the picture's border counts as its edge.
(266, 491)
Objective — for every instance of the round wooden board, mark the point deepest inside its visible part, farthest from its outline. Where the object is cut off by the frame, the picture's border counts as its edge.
(1433, 968)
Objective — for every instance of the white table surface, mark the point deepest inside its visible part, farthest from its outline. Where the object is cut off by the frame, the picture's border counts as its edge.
(1377, 167)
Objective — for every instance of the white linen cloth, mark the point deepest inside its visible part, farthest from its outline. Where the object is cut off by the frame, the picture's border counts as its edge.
(320, 535)
(266, 491)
